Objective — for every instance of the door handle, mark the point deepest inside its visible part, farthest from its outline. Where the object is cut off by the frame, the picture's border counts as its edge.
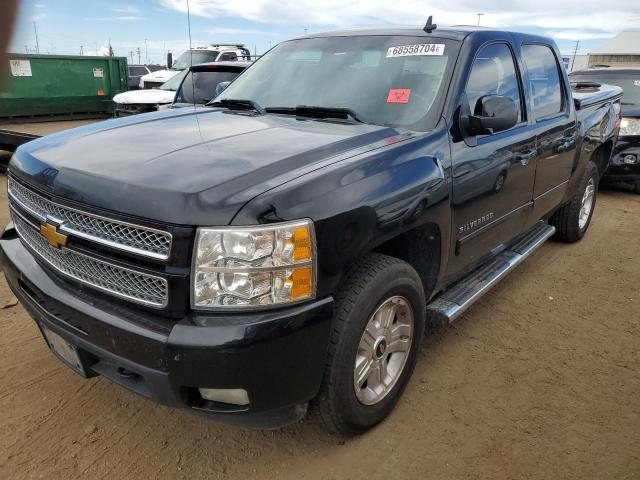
(525, 156)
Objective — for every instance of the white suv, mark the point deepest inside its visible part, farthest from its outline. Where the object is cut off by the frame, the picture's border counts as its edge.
(212, 53)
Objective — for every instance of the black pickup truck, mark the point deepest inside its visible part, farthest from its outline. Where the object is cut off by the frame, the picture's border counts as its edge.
(291, 244)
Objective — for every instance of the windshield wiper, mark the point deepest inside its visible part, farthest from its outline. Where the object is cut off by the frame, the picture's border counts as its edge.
(318, 112)
(237, 104)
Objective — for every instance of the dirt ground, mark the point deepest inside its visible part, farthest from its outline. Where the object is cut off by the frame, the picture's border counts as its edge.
(540, 379)
(45, 128)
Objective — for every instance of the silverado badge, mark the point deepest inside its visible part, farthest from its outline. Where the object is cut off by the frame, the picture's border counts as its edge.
(55, 238)
(476, 223)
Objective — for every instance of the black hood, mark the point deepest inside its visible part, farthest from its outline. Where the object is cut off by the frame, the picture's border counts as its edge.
(183, 167)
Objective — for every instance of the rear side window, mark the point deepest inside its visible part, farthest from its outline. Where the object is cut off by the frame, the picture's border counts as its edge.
(200, 87)
(545, 80)
(493, 73)
(137, 71)
(228, 57)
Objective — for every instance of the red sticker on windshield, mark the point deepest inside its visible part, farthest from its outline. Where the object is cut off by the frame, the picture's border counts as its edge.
(399, 95)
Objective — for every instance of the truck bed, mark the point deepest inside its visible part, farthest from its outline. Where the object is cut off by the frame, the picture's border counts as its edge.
(588, 94)
(13, 133)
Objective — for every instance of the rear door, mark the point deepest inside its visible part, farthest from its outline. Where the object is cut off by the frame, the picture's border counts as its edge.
(493, 176)
(555, 126)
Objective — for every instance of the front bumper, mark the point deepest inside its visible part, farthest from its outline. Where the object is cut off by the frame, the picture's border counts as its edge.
(619, 170)
(277, 357)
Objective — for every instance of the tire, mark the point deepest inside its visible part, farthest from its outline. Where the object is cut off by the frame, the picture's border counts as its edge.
(498, 184)
(570, 224)
(638, 187)
(376, 284)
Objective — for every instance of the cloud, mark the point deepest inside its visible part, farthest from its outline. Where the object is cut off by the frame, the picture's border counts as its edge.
(126, 9)
(544, 14)
(237, 31)
(115, 19)
(574, 34)
(102, 52)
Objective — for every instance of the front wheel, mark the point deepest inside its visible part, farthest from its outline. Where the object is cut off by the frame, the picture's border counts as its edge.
(378, 326)
(573, 219)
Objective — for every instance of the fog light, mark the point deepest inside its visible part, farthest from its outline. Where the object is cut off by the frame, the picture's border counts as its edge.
(630, 159)
(233, 396)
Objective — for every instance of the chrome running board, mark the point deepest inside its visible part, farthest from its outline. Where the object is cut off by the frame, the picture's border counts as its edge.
(454, 301)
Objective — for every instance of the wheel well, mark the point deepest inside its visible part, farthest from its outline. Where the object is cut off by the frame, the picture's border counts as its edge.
(420, 248)
(601, 157)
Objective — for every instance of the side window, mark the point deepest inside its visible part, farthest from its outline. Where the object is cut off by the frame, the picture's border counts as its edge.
(494, 73)
(545, 80)
(137, 71)
(229, 57)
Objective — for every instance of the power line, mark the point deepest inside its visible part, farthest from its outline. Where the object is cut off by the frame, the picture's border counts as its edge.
(35, 31)
(575, 52)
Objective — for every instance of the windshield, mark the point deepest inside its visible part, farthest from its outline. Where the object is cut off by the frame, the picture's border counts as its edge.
(386, 80)
(200, 87)
(174, 82)
(629, 83)
(199, 56)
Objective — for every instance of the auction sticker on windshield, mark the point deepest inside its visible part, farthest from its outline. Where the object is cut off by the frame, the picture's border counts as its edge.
(417, 49)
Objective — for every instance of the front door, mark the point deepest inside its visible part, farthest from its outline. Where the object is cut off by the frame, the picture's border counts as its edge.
(493, 179)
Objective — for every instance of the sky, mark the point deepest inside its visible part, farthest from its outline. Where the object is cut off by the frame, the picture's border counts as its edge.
(158, 26)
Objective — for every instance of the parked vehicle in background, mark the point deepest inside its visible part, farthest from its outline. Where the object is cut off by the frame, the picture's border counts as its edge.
(196, 85)
(292, 243)
(212, 53)
(150, 100)
(201, 84)
(136, 72)
(625, 163)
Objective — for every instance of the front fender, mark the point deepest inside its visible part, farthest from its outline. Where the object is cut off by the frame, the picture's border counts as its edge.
(362, 202)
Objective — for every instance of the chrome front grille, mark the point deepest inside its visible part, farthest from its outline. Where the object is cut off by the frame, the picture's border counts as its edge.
(122, 282)
(140, 240)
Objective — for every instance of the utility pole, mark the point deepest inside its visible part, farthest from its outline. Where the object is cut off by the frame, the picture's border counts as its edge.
(138, 55)
(479, 15)
(35, 30)
(146, 52)
(81, 49)
(575, 52)
(131, 55)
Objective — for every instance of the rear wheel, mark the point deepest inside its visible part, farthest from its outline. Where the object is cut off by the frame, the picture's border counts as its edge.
(573, 219)
(379, 323)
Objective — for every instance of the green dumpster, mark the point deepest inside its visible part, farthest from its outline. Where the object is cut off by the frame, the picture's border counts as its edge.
(61, 85)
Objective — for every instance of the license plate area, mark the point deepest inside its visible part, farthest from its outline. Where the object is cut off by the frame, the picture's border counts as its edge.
(64, 350)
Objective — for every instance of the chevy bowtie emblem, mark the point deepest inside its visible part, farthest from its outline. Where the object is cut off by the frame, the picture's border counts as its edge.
(55, 238)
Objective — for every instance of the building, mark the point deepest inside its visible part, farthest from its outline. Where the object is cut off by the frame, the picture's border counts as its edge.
(577, 62)
(623, 50)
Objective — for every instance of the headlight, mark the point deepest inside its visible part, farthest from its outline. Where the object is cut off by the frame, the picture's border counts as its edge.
(629, 127)
(240, 267)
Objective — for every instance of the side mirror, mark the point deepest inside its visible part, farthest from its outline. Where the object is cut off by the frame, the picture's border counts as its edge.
(221, 87)
(492, 114)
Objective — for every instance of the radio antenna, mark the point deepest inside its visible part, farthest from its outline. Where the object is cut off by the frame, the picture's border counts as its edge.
(430, 26)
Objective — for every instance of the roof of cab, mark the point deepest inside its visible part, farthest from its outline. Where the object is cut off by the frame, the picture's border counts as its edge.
(456, 32)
